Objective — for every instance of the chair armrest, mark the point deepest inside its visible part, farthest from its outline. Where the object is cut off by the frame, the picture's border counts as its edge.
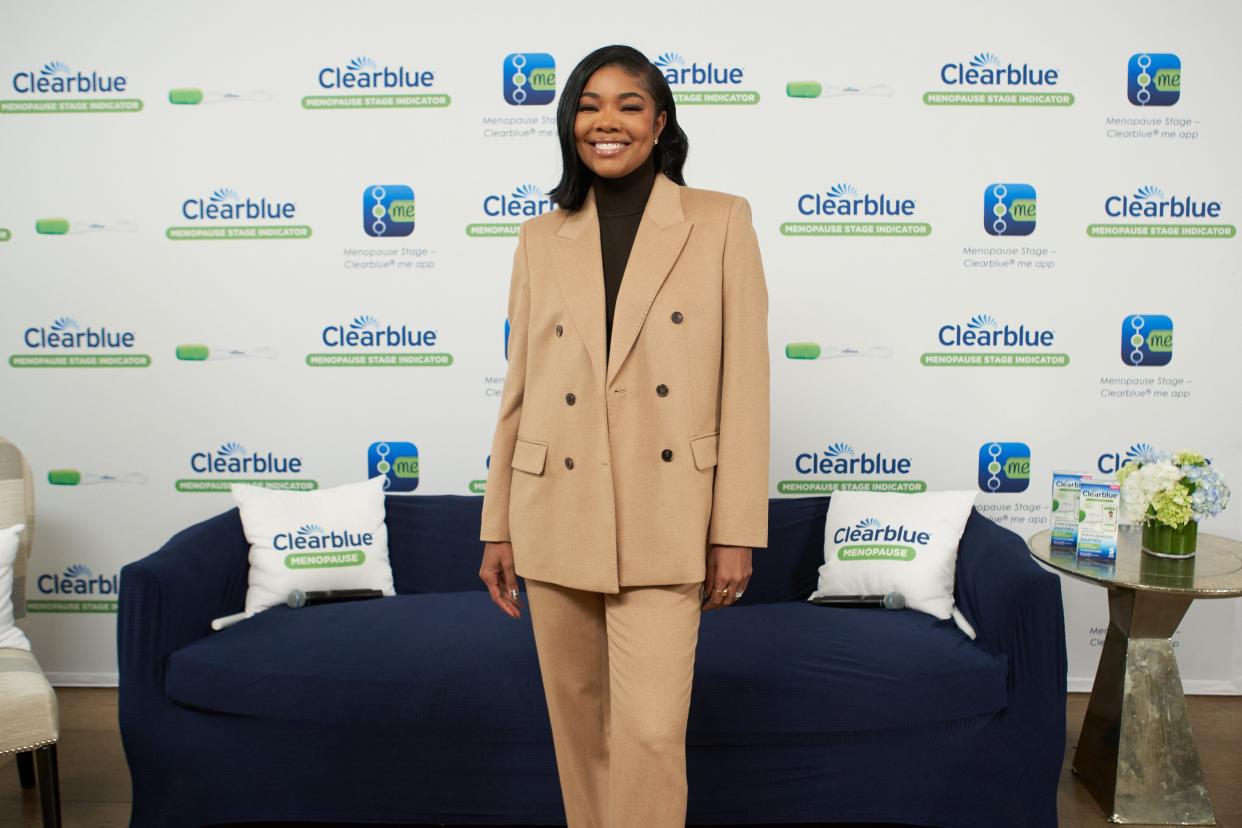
(1016, 609)
(169, 598)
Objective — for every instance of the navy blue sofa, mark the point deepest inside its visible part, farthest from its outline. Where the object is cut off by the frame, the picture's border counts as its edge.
(427, 706)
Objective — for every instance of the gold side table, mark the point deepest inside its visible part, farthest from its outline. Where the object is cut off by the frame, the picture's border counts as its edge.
(1136, 754)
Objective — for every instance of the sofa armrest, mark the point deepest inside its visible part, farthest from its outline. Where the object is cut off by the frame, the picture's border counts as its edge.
(169, 598)
(1016, 609)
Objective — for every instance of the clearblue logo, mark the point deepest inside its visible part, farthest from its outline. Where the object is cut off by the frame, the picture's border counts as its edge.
(1147, 339)
(365, 73)
(984, 331)
(225, 204)
(526, 200)
(65, 343)
(1009, 209)
(872, 540)
(314, 536)
(986, 69)
(368, 332)
(1150, 201)
(840, 467)
(397, 461)
(65, 332)
(1004, 467)
(232, 458)
(843, 210)
(1154, 79)
(365, 341)
(58, 78)
(1110, 462)
(77, 589)
(388, 210)
(1151, 212)
(529, 78)
(704, 83)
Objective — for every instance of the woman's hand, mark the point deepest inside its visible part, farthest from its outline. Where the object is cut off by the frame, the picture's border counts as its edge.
(497, 572)
(728, 568)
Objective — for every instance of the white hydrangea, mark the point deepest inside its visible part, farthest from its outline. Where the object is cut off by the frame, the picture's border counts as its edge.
(1143, 484)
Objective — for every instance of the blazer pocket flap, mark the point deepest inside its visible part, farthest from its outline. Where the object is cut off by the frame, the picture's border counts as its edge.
(529, 456)
(704, 449)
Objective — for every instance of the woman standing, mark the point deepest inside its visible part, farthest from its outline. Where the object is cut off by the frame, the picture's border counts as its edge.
(629, 469)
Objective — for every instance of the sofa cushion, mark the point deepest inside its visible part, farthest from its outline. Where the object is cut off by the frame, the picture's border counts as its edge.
(452, 665)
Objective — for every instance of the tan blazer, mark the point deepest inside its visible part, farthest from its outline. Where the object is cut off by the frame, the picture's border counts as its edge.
(603, 477)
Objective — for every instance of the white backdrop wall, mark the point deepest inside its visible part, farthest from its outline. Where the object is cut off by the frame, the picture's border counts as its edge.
(877, 299)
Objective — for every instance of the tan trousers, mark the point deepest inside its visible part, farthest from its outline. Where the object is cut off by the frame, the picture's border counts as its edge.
(617, 671)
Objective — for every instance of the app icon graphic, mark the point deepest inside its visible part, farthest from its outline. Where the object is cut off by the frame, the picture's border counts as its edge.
(529, 78)
(1147, 339)
(1004, 467)
(1009, 209)
(397, 461)
(1154, 79)
(388, 210)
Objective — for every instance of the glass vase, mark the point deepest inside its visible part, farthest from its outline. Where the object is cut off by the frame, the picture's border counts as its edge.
(1166, 541)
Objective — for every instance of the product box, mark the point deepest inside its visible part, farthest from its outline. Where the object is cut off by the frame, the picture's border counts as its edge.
(1099, 502)
(1065, 510)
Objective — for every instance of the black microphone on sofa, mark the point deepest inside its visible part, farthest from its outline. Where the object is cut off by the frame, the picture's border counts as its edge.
(894, 600)
(298, 598)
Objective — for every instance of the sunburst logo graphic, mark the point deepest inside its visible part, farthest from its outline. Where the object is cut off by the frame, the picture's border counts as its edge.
(668, 59)
(1143, 453)
(224, 194)
(365, 323)
(982, 321)
(839, 450)
(310, 529)
(361, 64)
(869, 523)
(54, 68)
(528, 191)
(986, 60)
(78, 571)
(842, 190)
(64, 323)
(1149, 192)
(232, 449)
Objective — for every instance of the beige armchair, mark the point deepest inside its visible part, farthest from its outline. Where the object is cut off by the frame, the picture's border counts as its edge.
(29, 720)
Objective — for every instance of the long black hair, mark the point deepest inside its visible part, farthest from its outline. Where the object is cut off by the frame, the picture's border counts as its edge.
(669, 155)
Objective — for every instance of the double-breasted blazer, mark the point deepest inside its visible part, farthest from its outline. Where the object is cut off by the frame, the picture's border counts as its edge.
(621, 470)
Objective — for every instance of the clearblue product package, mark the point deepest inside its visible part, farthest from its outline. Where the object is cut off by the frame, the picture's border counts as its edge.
(1065, 510)
(1099, 502)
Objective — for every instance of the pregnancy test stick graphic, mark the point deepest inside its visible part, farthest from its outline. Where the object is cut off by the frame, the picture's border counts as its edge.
(191, 96)
(201, 353)
(56, 226)
(815, 89)
(73, 477)
(813, 350)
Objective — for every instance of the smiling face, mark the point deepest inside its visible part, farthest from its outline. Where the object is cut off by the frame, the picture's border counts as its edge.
(615, 126)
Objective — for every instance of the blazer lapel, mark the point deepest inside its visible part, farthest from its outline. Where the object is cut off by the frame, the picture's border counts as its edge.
(662, 233)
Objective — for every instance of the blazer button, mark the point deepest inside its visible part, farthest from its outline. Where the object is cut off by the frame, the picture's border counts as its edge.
(570, 398)
(677, 317)
(662, 390)
(559, 330)
(569, 462)
(667, 454)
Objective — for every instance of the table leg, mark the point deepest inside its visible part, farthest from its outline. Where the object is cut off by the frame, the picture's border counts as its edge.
(1136, 754)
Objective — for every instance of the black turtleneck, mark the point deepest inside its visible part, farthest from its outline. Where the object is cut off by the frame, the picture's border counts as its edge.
(619, 202)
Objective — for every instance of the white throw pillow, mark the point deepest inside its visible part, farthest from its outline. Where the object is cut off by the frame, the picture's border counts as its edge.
(322, 539)
(881, 542)
(10, 635)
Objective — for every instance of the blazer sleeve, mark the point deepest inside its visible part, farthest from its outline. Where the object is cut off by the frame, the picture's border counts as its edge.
(740, 498)
(495, 521)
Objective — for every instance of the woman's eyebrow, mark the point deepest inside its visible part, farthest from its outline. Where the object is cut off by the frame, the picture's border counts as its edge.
(622, 95)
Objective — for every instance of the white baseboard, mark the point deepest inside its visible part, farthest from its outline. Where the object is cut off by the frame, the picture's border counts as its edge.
(82, 679)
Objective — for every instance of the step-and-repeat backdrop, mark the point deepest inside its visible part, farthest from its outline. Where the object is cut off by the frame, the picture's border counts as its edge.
(273, 242)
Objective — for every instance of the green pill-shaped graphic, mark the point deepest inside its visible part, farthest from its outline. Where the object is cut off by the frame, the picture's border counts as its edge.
(52, 226)
(192, 352)
(802, 350)
(804, 89)
(64, 477)
(185, 95)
